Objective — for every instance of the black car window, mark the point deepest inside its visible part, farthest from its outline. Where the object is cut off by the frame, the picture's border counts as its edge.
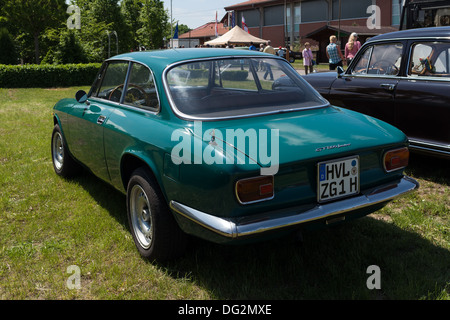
(363, 62)
(380, 59)
(141, 90)
(112, 81)
(430, 59)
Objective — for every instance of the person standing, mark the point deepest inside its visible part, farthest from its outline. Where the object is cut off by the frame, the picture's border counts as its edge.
(269, 48)
(307, 58)
(351, 47)
(281, 52)
(334, 54)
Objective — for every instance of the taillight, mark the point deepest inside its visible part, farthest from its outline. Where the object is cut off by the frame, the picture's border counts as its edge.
(396, 159)
(255, 189)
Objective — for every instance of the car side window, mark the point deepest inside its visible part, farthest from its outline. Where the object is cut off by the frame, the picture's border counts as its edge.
(111, 82)
(382, 59)
(363, 62)
(141, 90)
(430, 59)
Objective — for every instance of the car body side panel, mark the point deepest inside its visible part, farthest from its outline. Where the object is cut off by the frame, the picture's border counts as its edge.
(86, 135)
(429, 101)
(368, 95)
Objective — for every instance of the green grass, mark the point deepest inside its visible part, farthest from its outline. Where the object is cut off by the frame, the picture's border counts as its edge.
(298, 65)
(48, 224)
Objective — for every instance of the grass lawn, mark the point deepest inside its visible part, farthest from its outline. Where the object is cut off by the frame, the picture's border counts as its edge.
(49, 224)
(298, 65)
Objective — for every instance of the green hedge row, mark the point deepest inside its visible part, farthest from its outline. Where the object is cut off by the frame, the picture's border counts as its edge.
(235, 75)
(48, 76)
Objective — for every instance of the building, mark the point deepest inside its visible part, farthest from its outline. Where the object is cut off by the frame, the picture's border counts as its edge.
(293, 22)
(202, 34)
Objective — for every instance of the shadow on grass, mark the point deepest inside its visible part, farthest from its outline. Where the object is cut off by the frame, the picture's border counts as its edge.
(429, 168)
(327, 264)
(105, 195)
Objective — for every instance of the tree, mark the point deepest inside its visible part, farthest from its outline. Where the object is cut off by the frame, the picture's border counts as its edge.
(32, 17)
(182, 28)
(108, 11)
(8, 52)
(154, 21)
(131, 10)
(70, 50)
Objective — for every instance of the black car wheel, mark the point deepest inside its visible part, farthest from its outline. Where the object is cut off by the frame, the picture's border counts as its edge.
(63, 163)
(154, 229)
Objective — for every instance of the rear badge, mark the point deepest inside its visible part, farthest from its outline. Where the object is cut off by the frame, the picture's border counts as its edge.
(336, 146)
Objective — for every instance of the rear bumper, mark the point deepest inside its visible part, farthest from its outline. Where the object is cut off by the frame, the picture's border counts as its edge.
(219, 229)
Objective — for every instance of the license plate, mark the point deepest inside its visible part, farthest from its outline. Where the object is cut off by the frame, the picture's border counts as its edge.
(337, 178)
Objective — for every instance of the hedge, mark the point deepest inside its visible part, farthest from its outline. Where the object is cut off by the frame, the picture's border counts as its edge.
(48, 76)
(233, 75)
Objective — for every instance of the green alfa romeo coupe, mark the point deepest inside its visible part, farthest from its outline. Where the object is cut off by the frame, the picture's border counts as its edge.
(226, 145)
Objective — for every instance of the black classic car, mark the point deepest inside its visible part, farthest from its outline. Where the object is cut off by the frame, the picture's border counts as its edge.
(402, 78)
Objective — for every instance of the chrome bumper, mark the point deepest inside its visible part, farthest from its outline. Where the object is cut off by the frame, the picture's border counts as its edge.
(234, 228)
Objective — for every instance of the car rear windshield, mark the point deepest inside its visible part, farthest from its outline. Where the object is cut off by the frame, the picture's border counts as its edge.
(224, 88)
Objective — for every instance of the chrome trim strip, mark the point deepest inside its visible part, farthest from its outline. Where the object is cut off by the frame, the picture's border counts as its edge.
(415, 78)
(125, 106)
(221, 226)
(247, 226)
(435, 145)
(429, 148)
(184, 116)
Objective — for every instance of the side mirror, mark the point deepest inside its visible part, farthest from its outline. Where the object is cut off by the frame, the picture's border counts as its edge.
(340, 71)
(81, 96)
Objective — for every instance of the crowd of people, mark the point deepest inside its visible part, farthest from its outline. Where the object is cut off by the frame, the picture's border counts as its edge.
(334, 54)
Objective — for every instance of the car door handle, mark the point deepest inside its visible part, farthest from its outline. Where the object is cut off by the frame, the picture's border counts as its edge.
(100, 120)
(388, 86)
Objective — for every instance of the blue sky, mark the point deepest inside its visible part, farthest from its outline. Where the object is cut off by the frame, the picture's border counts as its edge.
(195, 13)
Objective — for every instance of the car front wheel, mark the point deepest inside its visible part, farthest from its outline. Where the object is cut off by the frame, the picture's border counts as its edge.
(154, 229)
(63, 163)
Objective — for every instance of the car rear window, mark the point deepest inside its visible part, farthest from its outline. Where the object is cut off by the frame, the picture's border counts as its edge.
(221, 88)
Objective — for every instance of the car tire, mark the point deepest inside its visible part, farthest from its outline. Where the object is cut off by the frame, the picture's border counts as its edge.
(153, 227)
(63, 163)
(291, 59)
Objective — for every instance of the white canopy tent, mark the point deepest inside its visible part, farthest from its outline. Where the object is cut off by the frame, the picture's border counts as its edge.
(236, 36)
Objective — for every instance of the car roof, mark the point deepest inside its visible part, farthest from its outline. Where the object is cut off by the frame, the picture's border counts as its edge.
(434, 32)
(162, 58)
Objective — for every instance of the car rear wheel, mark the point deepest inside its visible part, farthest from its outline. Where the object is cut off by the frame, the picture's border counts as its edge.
(154, 229)
(63, 163)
